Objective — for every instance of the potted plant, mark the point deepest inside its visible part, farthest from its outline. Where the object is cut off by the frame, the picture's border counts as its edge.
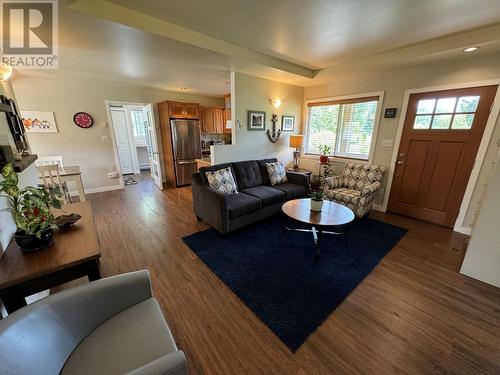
(324, 153)
(317, 200)
(31, 209)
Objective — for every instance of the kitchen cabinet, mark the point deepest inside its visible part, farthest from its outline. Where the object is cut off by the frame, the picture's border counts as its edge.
(213, 120)
(183, 110)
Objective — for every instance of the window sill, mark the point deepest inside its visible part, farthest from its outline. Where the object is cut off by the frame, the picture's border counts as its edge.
(333, 158)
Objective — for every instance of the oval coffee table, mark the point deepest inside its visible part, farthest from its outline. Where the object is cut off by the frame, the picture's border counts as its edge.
(333, 216)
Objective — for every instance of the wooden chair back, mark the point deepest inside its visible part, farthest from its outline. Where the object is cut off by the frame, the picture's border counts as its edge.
(49, 174)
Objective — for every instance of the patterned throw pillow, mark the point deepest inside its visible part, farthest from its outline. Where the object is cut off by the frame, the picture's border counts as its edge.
(277, 173)
(222, 180)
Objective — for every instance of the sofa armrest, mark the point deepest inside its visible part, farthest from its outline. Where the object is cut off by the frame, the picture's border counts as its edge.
(171, 364)
(298, 178)
(208, 203)
(333, 182)
(370, 189)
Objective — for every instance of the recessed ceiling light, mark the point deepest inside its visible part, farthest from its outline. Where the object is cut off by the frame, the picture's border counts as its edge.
(470, 49)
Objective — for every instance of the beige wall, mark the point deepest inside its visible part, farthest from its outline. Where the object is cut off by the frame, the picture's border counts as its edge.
(252, 93)
(84, 147)
(394, 84)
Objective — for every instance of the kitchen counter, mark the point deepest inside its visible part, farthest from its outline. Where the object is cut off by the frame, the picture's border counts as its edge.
(203, 162)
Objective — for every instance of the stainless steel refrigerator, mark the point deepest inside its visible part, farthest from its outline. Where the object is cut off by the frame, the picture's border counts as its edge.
(186, 148)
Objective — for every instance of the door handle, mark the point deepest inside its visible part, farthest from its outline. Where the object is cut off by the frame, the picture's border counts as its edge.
(186, 162)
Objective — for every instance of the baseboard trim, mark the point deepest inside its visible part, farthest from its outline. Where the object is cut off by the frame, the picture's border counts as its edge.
(378, 207)
(103, 189)
(464, 230)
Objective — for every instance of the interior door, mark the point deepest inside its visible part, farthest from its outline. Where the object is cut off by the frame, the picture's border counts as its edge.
(152, 141)
(439, 143)
(119, 118)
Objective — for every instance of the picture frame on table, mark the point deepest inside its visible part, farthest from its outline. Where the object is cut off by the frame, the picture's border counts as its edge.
(287, 123)
(256, 121)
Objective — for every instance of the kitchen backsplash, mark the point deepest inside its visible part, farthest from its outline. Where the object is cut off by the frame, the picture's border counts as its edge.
(207, 137)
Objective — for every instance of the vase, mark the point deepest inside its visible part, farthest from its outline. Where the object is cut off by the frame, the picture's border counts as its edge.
(316, 205)
(29, 242)
(323, 159)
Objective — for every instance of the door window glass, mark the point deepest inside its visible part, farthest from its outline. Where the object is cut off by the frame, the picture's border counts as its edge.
(454, 113)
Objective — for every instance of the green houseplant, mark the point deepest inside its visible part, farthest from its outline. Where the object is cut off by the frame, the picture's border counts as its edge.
(31, 209)
(324, 152)
(316, 194)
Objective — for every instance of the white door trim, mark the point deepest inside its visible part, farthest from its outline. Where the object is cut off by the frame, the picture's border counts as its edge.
(108, 104)
(481, 152)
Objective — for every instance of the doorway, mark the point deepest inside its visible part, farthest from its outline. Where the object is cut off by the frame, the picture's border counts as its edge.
(440, 139)
(135, 140)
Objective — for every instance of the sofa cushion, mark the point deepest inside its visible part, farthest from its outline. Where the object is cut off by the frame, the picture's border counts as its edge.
(129, 340)
(277, 173)
(266, 194)
(247, 174)
(291, 191)
(344, 195)
(240, 204)
(263, 170)
(212, 168)
(222, 180)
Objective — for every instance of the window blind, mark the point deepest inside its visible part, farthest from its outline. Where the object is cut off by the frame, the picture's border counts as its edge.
(345, 125)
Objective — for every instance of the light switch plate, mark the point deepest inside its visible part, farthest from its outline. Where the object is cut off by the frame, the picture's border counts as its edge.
(105, 138)
(387, 143)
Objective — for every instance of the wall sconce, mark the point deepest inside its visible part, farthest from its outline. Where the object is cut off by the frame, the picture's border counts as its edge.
(5, 72)
(275, 102)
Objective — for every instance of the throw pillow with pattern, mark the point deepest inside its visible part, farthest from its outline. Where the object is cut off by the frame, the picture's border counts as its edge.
(222, 180)
(277, 173)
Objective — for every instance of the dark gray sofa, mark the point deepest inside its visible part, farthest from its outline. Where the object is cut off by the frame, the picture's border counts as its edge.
(256, 198)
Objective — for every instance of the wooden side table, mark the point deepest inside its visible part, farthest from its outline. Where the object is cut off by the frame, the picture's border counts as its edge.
(303, 171)
(74, 254)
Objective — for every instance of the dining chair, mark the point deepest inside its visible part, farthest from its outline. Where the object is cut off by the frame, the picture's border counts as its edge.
(49, 174)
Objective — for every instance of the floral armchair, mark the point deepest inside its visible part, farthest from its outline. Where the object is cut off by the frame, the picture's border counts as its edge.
(356, 187)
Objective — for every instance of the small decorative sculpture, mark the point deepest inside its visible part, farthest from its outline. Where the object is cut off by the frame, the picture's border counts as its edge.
(274, 135)
(66, 221)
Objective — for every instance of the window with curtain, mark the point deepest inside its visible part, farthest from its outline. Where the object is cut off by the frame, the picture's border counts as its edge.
(344, 125)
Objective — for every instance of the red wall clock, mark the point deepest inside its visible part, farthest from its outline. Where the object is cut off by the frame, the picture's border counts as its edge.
(83, 120)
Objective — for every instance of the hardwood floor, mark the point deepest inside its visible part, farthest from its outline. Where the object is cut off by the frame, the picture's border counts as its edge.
(413, 314)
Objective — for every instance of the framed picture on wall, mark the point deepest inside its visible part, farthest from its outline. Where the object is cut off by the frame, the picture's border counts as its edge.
(288, 123)
(39, 122)
(256, 120)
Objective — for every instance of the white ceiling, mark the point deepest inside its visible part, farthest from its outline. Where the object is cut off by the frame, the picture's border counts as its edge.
(321, 33)
(304, 42)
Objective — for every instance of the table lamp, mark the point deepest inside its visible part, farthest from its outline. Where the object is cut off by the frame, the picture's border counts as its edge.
(296, 141)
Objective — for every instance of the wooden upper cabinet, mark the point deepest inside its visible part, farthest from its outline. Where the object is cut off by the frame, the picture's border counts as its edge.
(175, 109)
(192, 110)
(213, 120)
(183, 110)
(208, 120)
(219, 120)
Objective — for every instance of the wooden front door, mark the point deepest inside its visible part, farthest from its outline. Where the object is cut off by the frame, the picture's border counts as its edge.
(441, 135)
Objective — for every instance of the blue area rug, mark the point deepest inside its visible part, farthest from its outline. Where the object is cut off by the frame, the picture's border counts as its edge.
(277, 276)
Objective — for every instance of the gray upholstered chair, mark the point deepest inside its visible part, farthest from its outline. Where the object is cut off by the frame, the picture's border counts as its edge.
(109, 326)
(355, 187)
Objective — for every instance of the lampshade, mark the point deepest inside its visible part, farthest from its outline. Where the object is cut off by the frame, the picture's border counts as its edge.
(296, 140)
